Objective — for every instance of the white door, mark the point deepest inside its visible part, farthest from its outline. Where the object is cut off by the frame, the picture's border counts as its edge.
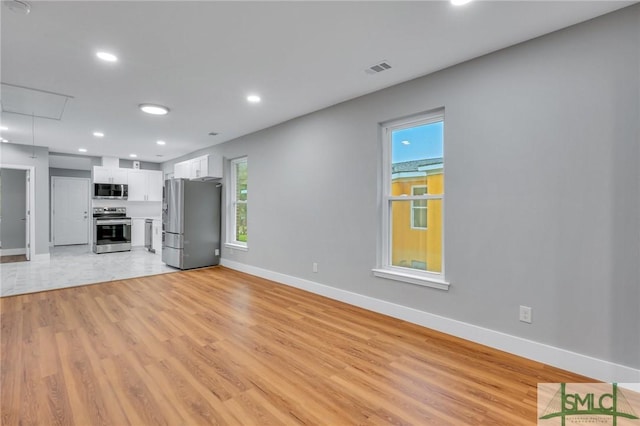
(70, 211)
(27, 216)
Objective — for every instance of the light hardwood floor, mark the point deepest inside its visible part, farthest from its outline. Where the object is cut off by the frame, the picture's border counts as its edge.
(215, 346)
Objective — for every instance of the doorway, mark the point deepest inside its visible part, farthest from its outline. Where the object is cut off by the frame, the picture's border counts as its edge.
(17, 227)
(70, 210)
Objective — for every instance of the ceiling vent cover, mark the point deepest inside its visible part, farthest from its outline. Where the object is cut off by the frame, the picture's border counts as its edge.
(379, 67)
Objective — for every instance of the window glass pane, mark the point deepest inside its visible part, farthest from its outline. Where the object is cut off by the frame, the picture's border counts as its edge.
(241, 222)
(241, 181)
(419, 215)
(419, 208)
(416, 159)
(412, 247)
(419, 190)
(237, 230)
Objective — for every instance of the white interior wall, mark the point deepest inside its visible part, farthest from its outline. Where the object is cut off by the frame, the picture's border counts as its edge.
(542, 159)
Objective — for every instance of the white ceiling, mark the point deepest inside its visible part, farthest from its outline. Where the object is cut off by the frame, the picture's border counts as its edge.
(202, 59)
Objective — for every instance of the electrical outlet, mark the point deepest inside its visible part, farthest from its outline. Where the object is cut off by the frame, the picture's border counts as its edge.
(525, 314)
(315, 267)
(216, 252)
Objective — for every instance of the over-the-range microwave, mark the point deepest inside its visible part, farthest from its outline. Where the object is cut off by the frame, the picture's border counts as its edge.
(111, 191)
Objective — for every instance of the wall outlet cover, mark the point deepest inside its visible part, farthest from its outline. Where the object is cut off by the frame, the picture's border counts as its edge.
(525, 314)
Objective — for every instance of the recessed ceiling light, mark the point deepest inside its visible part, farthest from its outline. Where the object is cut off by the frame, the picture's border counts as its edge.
(460, 2)
(254, 99)
(4, 128)
(82, 149)
(154, 109)
(98, 134)
(161, 142)
(132, 155)
(3, 140)
(107, 57)
(405, 143)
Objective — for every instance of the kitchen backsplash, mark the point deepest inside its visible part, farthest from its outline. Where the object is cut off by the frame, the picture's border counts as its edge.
(150, 209)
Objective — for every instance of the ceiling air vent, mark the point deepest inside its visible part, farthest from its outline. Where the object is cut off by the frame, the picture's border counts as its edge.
(379, 67)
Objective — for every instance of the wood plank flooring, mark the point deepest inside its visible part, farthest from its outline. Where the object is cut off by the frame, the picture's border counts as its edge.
(13, 258)
(215, 346)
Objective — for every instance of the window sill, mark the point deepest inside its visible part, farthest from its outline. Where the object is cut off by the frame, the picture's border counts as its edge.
(236, 246)
(412, 279)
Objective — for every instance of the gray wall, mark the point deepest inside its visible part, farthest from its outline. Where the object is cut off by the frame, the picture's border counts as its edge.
(542, 159)
(69, 173)
(21, 155)
(65, 161)
(144, 165)
(12, 227)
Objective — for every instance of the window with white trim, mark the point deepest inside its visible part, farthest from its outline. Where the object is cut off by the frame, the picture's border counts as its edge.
(238, 195)
(412, 235)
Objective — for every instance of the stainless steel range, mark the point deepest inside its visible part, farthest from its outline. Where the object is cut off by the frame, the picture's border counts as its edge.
(111, 229)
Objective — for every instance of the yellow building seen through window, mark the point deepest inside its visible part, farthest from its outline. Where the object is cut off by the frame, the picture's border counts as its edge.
(414, 246)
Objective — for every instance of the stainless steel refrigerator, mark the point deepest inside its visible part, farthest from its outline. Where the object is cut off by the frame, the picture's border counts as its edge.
(191, 223)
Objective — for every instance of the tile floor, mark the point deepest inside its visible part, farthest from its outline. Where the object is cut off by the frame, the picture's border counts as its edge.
(70, 266)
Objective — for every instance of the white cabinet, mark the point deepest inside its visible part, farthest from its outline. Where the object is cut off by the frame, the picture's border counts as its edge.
(154, 185)
(198, 167)
(211, 166)
(137, 232)
(109, 175)
(145, 185)
(182, 169)
(203, 167)
(137, 185)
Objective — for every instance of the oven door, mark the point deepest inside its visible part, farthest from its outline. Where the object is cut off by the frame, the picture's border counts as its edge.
(111, 235)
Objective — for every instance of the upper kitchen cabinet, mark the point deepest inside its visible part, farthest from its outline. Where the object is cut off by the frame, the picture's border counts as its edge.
(182, 169)
(203, 167)
(109, 175)
(145, 185)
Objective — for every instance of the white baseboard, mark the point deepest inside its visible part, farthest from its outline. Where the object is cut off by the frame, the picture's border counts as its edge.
(12, 252)
(571, 361)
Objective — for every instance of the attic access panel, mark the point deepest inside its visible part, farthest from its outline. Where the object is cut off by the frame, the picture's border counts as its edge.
(29, 101)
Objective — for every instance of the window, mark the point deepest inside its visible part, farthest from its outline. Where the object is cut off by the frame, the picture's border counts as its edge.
(412, 201)
(419, 208)
(237, 195)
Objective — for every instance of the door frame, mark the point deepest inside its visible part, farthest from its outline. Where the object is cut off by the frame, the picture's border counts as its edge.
(30, 176)
(53, 194)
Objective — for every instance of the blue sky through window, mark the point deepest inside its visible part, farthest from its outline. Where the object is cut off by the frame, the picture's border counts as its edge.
(416, 143)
